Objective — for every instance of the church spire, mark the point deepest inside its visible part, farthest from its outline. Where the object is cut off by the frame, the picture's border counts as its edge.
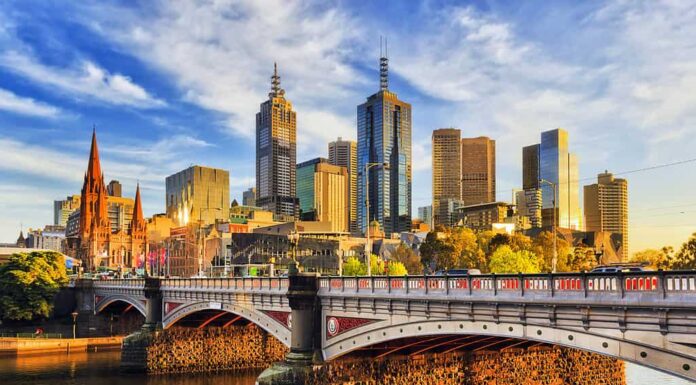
(138, 207)
(94, 167)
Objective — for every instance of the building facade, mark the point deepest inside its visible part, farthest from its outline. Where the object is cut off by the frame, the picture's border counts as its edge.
(482, 216)
(323, 191)
(249, 197)
(344, 153)
(447, 176)
(63, 208)
(384, 138)
(425, 213)
(276, 153)
(48, 238)
(478, 170)
(550, 161)
(606, 208)
(198, 193)
(99, 244)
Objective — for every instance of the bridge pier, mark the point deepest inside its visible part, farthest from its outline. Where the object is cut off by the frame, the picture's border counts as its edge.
(305, 344)
(134, 349)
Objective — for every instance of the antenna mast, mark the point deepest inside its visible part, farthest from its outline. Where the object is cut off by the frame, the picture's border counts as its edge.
(383, 65)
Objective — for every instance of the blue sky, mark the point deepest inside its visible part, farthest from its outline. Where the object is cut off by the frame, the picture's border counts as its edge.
(174, 83)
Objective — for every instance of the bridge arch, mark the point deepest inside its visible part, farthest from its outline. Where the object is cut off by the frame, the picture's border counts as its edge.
(270, 325)
(103, 303)
(612, 345)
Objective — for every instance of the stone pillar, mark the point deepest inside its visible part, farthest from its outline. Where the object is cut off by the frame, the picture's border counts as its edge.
(134, 349)
(305, 342)
(84, 301)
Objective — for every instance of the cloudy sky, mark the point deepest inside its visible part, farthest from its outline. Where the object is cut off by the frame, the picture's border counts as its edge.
(174, 83)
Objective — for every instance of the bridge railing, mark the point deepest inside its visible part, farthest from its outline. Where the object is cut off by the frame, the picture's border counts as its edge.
(238, 284)
(648, 283)
(136, 283)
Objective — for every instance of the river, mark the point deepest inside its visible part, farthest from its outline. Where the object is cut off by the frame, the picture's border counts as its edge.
(103, 369)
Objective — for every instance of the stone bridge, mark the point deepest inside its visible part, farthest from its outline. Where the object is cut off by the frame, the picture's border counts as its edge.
(648, 318)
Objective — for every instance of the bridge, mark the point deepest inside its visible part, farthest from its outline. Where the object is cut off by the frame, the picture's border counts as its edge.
(648, 318)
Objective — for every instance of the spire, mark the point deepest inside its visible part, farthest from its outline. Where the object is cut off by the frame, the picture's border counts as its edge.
(383, 65)
(275, 83)
(138, 207)
(94, 167)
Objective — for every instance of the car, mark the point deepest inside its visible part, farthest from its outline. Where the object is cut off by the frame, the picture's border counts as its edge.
(617, 268)
(458, 272)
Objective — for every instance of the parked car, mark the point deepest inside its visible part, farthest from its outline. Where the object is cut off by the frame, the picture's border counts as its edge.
(458, 272)
(617, 268)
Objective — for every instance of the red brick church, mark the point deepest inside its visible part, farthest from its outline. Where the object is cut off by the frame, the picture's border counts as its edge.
(99, 245)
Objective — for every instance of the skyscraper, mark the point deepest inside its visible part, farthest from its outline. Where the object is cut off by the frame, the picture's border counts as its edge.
(322, 189)
(425, 213)
(249, 197)
(63, 208)
(276, 153)
(344, 153)
(529, 200)
(559, 167)
(606, 208)
(447, 176)
(198, 193)
(478, 170)
(384, 137)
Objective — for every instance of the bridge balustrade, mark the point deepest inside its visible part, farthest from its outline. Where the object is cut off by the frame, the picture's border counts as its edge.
(238, 284)
(552, 285)
(125, 282)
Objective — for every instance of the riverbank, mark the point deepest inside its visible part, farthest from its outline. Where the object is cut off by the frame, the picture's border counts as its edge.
(23, 346)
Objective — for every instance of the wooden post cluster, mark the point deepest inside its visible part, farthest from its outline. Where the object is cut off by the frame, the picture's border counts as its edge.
(538, 366)
(185, 350)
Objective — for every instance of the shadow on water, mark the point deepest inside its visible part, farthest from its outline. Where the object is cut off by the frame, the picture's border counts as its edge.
(100, 368)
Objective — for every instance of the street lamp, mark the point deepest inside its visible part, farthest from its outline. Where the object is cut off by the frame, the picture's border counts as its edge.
(293, 239)
(554, 261)
(368, 248)
(74, 323)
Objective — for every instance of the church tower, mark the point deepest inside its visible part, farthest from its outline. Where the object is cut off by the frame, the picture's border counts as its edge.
(138, 229)
(94, 218)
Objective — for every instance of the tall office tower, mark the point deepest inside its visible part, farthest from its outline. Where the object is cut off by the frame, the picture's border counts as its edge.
(447, 161)
(198, 193)
(276, 153)
(62, 209)
(344, 153)
(606, 208)
(425, 213)
(529, 200)
(384, 136)
(478, 170)
(114, 188)
(559, 167)
(249, 197)
(322, 189)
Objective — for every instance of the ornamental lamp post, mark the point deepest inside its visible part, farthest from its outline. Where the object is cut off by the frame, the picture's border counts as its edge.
(74, 323)
(368, 248)
(293, 239)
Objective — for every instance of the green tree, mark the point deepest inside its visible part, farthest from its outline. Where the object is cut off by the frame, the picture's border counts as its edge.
(466, 252)
(28, 284)
(397, 269)
(542, 246)
(352, 266)
(506, 261)
(410, 260)
(582, 259)
(656, 259)
(685, 259)
(377, 266)
(429, 249)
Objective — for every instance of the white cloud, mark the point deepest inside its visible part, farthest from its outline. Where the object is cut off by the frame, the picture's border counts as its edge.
(221, 55)
(12, 102)
(86, 80)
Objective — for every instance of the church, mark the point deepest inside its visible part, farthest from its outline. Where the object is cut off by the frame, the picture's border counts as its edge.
(102, 243)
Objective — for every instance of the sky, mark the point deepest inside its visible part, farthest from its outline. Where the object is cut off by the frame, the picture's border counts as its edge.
(169, 84)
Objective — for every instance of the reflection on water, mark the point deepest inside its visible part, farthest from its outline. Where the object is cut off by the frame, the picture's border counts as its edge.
(103, 369)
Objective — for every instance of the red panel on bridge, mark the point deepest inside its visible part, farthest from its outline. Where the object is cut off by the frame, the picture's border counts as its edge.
(169, 306)
(340, 325)
(282, 317)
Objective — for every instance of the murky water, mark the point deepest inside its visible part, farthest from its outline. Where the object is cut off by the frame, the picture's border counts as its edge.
(103, 369)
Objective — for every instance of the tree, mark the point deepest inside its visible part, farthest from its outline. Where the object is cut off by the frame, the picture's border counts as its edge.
(377, 266)
(28, 284)
(498, 240)
(582, 259)
(397, 269)
(685, 259)
(352, 266)
(656, 259)
(542, 246)
(410, 260)
(429, 249)
(506, 261)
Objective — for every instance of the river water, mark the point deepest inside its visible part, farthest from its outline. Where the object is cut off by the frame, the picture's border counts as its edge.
(103, 369)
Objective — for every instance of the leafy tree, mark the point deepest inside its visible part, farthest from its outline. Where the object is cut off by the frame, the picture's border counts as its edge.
(685, 259)
(656, 259)
(519, 242)
(466, 252)
(430, 247)
(582, 259)
(408, 258)
(397, 269)
(28, 284)
(505, 260)
(377, 266)
(352, 266)
(498, 240)
(542, 246)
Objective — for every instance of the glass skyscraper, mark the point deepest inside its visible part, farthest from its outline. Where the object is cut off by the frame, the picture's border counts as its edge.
(560, 167)
(384, 136)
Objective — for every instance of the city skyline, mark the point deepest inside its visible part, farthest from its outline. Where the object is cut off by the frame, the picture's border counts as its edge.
(154, 120)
